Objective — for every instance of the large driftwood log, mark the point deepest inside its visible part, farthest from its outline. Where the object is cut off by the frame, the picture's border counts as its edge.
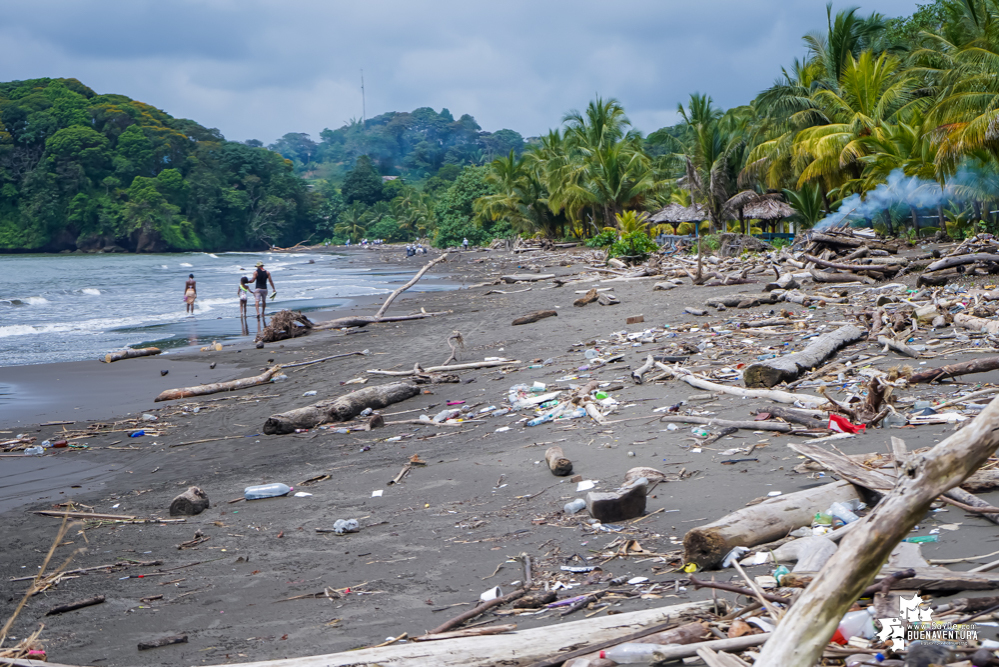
(980, 365)
(762, 425)
(365, 320)
(839, 277)
(873, 268)
(80, 604)
(787, 368)
(412, 281)
(958, 260)
(772, 394)
(976, 323)
(936, 579)
(216, 387)
(527, 277)
(535, 316)
(853, 242)
(557, 462)
(768, 521)
(519, 647)
(130, 354)
(340, 409)
(803, 633)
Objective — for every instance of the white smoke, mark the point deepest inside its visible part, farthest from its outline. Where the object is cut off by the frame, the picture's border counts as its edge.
(911, 191)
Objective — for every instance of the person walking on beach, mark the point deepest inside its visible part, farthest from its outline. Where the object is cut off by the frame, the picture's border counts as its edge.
(243, 293)
(262, 277)
(464, 244)
(190, 293)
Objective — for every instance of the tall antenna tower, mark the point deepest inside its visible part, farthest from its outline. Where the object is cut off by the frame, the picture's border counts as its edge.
(363, 108)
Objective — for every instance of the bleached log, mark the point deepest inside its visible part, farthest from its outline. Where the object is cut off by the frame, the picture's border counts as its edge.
(895, 345)
(444, 369)
(839, 277)
(775, 395)
(976, 323)
(804, 632)
(520, 647)
(365, 320)
(527, 277)
(130, 354)
(637, 374)
(216, 387)
(958, 260)
(780, 427)
(412, 281)
(980, 365)
(788, 367)
(852, 267)
(768, 521)
(340, 409)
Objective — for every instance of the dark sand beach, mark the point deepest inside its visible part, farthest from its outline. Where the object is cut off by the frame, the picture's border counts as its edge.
(437, 539)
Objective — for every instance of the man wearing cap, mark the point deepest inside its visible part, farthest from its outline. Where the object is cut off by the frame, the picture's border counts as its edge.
(261, 278)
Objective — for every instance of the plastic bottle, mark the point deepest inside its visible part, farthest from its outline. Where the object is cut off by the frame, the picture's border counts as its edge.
(574, 506)
(34, 451)
(341, 526)
(266, 491)
(856, 624)
(780, 573)
(633, 653)
(843, 513)
(46, 444)
(922, 539)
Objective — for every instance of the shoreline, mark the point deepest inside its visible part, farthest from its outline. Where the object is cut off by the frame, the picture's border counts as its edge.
(439, 537)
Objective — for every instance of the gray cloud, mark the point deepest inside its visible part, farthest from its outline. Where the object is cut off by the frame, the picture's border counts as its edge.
(260, 68)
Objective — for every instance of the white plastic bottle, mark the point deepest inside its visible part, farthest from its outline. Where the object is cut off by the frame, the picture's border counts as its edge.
(856, 624)
(266, 491)
(633, 653)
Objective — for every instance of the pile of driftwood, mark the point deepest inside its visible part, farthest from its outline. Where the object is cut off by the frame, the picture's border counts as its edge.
(975, 256)
(284, 325)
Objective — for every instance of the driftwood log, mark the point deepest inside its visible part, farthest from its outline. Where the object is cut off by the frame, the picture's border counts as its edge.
(517, 648)
(935, 579)
(897, 346)
(365, 320)
(130, 354)
(535, 316)
(980, 365)
(874, 268)
(79, 604)
(163, 641)
(284, 325)
(802, 635)
(340, 409)
(768, 521)
(557, 462)
(690, 633)
(839, 277)
(527, 277)
(853, 242)
(775, 395)
(216, 387)
(191, 502)
(958, 260)
(787, 368)
(638, 373)
(443, 369)
(412, 281)
(587, 298)
(976, 323)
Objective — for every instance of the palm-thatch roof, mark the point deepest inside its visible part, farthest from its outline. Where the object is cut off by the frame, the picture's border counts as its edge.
(675, 213)
(767, 209)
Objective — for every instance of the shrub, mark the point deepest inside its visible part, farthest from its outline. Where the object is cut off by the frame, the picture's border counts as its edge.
(636, 245)
(603, 239)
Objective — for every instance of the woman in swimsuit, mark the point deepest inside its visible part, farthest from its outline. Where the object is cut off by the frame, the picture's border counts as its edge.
(190, 293)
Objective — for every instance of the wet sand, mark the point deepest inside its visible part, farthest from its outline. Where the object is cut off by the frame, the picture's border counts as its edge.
(433, 541)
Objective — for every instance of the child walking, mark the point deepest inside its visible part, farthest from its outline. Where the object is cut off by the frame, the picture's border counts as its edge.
(244, 293)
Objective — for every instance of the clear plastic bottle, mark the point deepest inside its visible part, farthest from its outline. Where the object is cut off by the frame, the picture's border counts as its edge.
(856, 624)
(266, 491)
(34, 451)
(843, 513)
(633, 653)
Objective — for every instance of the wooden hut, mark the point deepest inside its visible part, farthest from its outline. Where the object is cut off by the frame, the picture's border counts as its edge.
(674, 214)
(768, 211)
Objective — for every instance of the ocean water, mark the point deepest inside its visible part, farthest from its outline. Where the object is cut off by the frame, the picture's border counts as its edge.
(75, 307)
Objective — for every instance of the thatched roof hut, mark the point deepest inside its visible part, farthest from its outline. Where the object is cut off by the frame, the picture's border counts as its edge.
(675, 214)
(767, 209)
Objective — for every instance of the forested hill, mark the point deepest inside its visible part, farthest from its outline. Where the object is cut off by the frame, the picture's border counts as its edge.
(85, 171)
(413, 144)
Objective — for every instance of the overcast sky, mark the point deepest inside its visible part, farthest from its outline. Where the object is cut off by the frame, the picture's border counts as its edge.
(257, 69)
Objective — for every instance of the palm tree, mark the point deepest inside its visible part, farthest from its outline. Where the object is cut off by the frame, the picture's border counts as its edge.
(808, 205)
(520, 198)
(352, 222)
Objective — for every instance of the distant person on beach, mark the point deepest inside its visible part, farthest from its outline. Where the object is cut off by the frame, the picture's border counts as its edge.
(190, 293)
(244, 293)
(261, 278)
(464, 244)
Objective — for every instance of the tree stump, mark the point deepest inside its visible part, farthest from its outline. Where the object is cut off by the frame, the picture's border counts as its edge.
(191, 502)
(557, 462)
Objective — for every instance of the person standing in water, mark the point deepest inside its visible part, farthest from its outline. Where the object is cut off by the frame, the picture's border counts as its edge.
(190, 293)
(243, 293)
(261, 278)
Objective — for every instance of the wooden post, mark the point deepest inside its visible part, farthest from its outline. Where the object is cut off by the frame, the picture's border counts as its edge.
(804, 632)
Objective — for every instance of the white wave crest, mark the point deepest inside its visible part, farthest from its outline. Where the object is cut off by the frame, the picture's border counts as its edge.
(91, 291)
(186, 265)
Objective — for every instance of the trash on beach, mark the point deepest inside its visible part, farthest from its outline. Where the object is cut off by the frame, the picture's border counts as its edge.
(491, 594)
(377, 494)
(272, 490)
(137, 434)
(341, 526)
